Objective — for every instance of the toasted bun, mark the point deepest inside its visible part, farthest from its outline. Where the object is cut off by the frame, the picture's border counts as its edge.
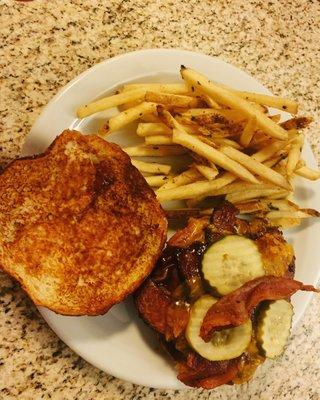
(80, 229)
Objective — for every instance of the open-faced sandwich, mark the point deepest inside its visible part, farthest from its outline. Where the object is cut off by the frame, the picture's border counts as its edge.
(219, 297)
(80, 229)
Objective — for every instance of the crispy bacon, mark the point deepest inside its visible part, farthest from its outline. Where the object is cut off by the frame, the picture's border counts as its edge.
(224, 218)
(235, 308)
(193, 232)
(189, 265)
(199, 372)
(155, 305)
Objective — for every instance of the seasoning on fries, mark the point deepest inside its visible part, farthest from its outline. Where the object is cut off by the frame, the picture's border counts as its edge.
(237, 149)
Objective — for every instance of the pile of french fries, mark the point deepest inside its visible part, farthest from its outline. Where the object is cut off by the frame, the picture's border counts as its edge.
(237, 149)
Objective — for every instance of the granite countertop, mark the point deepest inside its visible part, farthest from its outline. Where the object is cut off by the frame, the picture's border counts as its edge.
(44, 44)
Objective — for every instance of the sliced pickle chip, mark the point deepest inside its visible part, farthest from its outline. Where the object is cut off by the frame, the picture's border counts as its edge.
(225, 344)
(231, 262)
(273, 330)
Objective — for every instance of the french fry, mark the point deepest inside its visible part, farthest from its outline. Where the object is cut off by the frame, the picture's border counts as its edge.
(294, 155)
(130, 104)
(153, 128)
(251, 207)
(154, 151)
(308, 173)
(285, 223)
(258, 107)
(195, 189)
(269, 151)
(186, 177)
(181, 137)
(296, 123)
(275, 118)
(156, 181)
(239, 197)
(130, 115)
(158, 140)
(248, 131)
(226, 142)
(232, 115)
(150, 118)
(208, 172)
(291, 214)
(110, 102)
(232, 100)
(152, 168)
(174, 88)
(281, 103)
(280, 205)
(256, 167)
(173, 100)
(240, 186)
(183, 213)
(210, 102)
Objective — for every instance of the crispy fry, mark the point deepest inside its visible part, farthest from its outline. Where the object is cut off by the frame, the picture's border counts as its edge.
(174, 88)
(291, 214)
(224, 142)
(195, 189)
(153, 168)
(240, 186)
(285, 223)
(251, 207)
(150, 118)
(130, 115)
(239, 197)
(210, 102)
(275, 118)
(153, 128)
(158, 140)
(308, 173)
(156, 181)
(281, 103)
(256, 167)
(211, 154)
(174, 100)
(109, 102)
(248, 131)
(154, 151)
(208, 172)
(294, 155)
(269, 151)
(186, 177)
(233, 100)
(183, 213)
(259, 107)
(296, 123)
(280, 205)
(232, 115)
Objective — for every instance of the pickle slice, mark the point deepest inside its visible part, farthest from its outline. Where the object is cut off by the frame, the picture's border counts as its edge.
(225, 344)
(231, 262)
(273, 330)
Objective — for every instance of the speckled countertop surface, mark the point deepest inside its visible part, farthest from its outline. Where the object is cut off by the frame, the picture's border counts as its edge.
(44, 44)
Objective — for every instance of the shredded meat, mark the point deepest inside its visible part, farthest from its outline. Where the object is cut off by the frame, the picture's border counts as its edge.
(199, 372)
(235, 308)
(154, 303)
(193, 232)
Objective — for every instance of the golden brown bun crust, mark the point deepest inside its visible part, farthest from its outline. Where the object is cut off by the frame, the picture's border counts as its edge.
(80, 228)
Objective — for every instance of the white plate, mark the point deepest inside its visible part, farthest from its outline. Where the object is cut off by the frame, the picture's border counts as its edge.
(118, 342)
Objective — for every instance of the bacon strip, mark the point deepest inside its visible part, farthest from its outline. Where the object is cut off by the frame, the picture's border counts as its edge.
(235, 308)
(199, 372)
(155, 306)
